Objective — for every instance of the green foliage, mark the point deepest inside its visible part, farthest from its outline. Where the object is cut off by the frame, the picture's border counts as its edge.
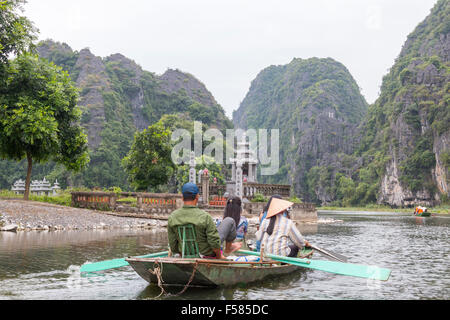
(416, 169)
(259, 198)
(294, 199)
(16, 31)
(62, 199)
(346, 190)
(215, 171)
(445, 158)
(200, 112)
(61, 55)
(130, 201)
(116, 190)
(7, 194)
(149, 163)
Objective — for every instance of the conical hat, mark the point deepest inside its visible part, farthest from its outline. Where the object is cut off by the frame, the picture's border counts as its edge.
(277, 206)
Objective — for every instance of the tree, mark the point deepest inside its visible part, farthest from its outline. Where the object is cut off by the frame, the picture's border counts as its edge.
(16, 32)
(346, 190)
(39, 116)
(149, 163)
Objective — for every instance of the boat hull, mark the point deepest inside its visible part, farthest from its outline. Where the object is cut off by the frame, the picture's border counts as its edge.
(175, 272)
(423, 214)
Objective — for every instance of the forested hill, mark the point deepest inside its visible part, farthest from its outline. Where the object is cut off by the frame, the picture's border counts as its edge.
(118, 98)
(317, 105)
(407, 131)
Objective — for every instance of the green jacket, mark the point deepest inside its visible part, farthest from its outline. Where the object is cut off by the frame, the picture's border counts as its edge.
(205, 228)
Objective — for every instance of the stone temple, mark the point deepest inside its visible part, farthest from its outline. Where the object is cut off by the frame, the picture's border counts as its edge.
(37, 187)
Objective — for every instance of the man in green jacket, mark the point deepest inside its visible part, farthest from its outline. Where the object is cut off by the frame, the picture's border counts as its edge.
(209, 239)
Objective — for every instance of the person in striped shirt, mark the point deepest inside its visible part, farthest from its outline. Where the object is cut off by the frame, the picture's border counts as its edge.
(279, 234)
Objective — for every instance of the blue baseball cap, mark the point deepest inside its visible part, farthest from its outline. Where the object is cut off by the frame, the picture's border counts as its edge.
(190, 188)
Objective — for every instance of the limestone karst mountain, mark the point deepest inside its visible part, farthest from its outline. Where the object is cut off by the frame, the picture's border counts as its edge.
(317, 106)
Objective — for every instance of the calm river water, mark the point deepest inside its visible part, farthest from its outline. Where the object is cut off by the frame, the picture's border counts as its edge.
(46, 265)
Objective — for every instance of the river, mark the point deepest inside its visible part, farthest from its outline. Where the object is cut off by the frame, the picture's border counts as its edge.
(45, 265)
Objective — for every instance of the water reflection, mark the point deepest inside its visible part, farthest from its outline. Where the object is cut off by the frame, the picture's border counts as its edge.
(46, 265)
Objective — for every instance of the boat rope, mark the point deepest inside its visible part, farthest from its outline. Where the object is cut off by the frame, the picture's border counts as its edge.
(157, 271)
(190, 280)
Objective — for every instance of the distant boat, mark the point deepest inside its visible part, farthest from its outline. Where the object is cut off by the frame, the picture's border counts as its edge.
(421, 212)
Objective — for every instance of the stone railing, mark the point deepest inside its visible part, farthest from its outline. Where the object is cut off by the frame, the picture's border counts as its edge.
(251, 189)
(267, 190)
(157, 204)
(301, 212)
(94, 200)
(217, 190)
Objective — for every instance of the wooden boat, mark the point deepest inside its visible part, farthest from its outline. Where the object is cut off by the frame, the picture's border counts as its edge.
(206, 272)
(423, 214)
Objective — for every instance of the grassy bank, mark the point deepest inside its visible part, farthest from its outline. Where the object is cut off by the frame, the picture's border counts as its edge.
(63, 198)
(442, 209)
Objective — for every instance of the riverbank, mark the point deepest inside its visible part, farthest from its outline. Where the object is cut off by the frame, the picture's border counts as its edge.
(32, 215)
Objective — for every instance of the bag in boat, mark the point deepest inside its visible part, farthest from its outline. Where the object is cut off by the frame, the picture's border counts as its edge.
(243, 258)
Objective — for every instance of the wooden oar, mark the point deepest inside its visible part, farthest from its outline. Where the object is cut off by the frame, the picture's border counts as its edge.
(332, 255)
(116, 263)
(347, 269)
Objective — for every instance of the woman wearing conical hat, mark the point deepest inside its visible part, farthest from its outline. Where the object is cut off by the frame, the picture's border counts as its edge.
(278, 233)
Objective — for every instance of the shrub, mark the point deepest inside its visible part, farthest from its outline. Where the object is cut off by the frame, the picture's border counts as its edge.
(259, 198)
(294, 199)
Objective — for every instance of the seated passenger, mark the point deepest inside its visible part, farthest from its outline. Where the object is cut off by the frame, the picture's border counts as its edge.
(209, 239)
(278, 233)
(263, 215)
(233, 210)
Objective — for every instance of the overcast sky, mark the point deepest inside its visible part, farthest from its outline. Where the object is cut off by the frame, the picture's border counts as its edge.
(225, 44)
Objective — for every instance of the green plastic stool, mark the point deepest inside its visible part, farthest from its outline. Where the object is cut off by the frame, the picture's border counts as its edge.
(188, 240)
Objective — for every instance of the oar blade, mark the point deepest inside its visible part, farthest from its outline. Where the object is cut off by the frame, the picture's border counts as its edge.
(348, 269)
(115, 263)
(104, 265)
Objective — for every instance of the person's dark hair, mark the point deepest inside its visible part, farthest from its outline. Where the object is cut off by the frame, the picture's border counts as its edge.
(277, 196)
(233, 209)
(189, 197)
(272, 219)
(271, 225)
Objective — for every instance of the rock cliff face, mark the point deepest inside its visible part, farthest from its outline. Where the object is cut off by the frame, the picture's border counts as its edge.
(92, 78)
(148, 96)
(173, 81)
(317, 106)
(137, 101)
(410, 120)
